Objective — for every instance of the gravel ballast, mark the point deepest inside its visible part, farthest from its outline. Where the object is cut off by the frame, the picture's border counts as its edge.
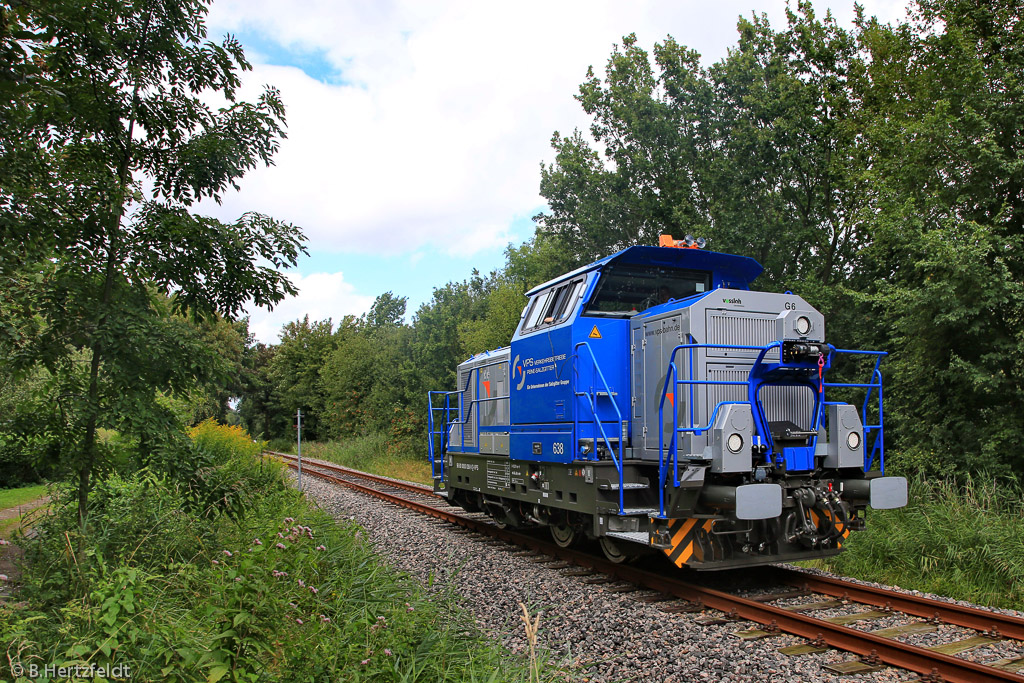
(593, 634)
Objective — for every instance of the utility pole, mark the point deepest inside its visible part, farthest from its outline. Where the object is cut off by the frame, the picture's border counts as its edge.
(298, 427)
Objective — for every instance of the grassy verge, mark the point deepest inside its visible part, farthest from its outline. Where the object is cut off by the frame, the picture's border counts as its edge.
(963, 540)
(230, 575)
(13, 497)
(371, 453)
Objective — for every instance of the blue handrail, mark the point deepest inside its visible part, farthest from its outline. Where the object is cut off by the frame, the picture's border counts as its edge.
(878, 446)
(756, 380)
(448, 408)
(591, 403)
(443, 433)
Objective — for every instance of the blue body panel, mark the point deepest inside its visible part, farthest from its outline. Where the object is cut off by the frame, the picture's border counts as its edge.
(548, 363)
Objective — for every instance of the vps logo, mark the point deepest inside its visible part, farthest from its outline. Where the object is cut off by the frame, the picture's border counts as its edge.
(517, 371)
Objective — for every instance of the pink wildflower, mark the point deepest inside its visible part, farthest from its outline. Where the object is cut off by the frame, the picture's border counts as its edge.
(238, 578)
(228, 553)
(288, 520)
(257, 541)
(324, 618)
(4, 542)
(292, 605)
(215, 561)
(387, 652)
(321, 547)
(313, 590)
(302, 584)
(298, 621)
(281, 546)
(365, 662)
(3, 577)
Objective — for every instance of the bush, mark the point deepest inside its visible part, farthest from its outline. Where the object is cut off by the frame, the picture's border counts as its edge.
(276, 592)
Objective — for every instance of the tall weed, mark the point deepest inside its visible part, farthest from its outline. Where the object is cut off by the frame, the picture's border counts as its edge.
(961, 538)
(277, 592)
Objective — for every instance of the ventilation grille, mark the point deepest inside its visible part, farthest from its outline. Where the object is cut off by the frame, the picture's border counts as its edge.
(468, 415)
(793, 403)
(754, 329)
(717, 394)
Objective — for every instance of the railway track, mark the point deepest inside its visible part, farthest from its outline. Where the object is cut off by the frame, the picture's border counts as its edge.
(874, 649)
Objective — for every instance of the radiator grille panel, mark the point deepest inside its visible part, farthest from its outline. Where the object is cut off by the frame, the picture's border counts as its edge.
(793, 403)
(754, 329)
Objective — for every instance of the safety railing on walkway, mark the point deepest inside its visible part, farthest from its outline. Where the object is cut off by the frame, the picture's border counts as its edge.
(465, 410)
(761, 375)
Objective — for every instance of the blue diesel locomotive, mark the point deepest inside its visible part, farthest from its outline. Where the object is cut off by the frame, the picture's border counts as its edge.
(652, 401)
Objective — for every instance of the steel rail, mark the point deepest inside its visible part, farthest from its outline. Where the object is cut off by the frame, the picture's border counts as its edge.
(874, 648)
(995, 623)
(414, 488)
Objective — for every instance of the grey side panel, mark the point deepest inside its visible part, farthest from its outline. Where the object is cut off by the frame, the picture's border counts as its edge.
(842, 420)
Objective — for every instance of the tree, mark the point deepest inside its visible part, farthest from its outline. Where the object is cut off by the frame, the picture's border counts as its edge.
(760, 153)
(295, 370)
(119, 141)
(945, 271)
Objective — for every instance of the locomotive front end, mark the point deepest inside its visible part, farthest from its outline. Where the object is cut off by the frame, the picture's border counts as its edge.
(755, 464)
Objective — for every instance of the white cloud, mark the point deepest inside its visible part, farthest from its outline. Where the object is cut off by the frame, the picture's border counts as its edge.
(321, 296)
(433, 136)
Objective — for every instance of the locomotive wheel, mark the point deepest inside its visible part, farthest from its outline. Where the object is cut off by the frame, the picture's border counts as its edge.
(564, 534)
(614, 551)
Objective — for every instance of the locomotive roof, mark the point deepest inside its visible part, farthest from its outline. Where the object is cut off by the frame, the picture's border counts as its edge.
(730, 267)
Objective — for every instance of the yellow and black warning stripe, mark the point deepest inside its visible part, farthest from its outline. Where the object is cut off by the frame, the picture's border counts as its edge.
(843, 529)
(684, 536)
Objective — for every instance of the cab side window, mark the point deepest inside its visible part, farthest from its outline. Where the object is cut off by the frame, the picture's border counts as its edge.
(553, 306)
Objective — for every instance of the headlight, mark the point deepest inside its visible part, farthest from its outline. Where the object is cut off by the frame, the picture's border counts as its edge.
(853, 440)
(803, 325)
(735, 443)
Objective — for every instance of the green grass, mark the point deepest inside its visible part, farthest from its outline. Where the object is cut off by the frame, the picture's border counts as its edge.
(13, 497)
(273, 590)
(962, 540)
(372, 453)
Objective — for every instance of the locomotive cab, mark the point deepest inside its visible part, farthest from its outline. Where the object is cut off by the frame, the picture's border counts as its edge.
(654, 402)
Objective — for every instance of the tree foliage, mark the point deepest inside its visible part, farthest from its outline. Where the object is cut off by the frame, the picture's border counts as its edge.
(877, 170)
(108, 106)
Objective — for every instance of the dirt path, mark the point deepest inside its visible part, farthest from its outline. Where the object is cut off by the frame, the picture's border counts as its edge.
(19, 510)
(10, 554)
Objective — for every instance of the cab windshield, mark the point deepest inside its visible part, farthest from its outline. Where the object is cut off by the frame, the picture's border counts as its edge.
(627, 288)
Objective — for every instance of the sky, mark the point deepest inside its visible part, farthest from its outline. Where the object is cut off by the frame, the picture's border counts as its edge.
(416, 128)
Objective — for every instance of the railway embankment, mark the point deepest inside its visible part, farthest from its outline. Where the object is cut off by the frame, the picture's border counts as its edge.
(593, 632)
(989, 643)
(958, 538)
